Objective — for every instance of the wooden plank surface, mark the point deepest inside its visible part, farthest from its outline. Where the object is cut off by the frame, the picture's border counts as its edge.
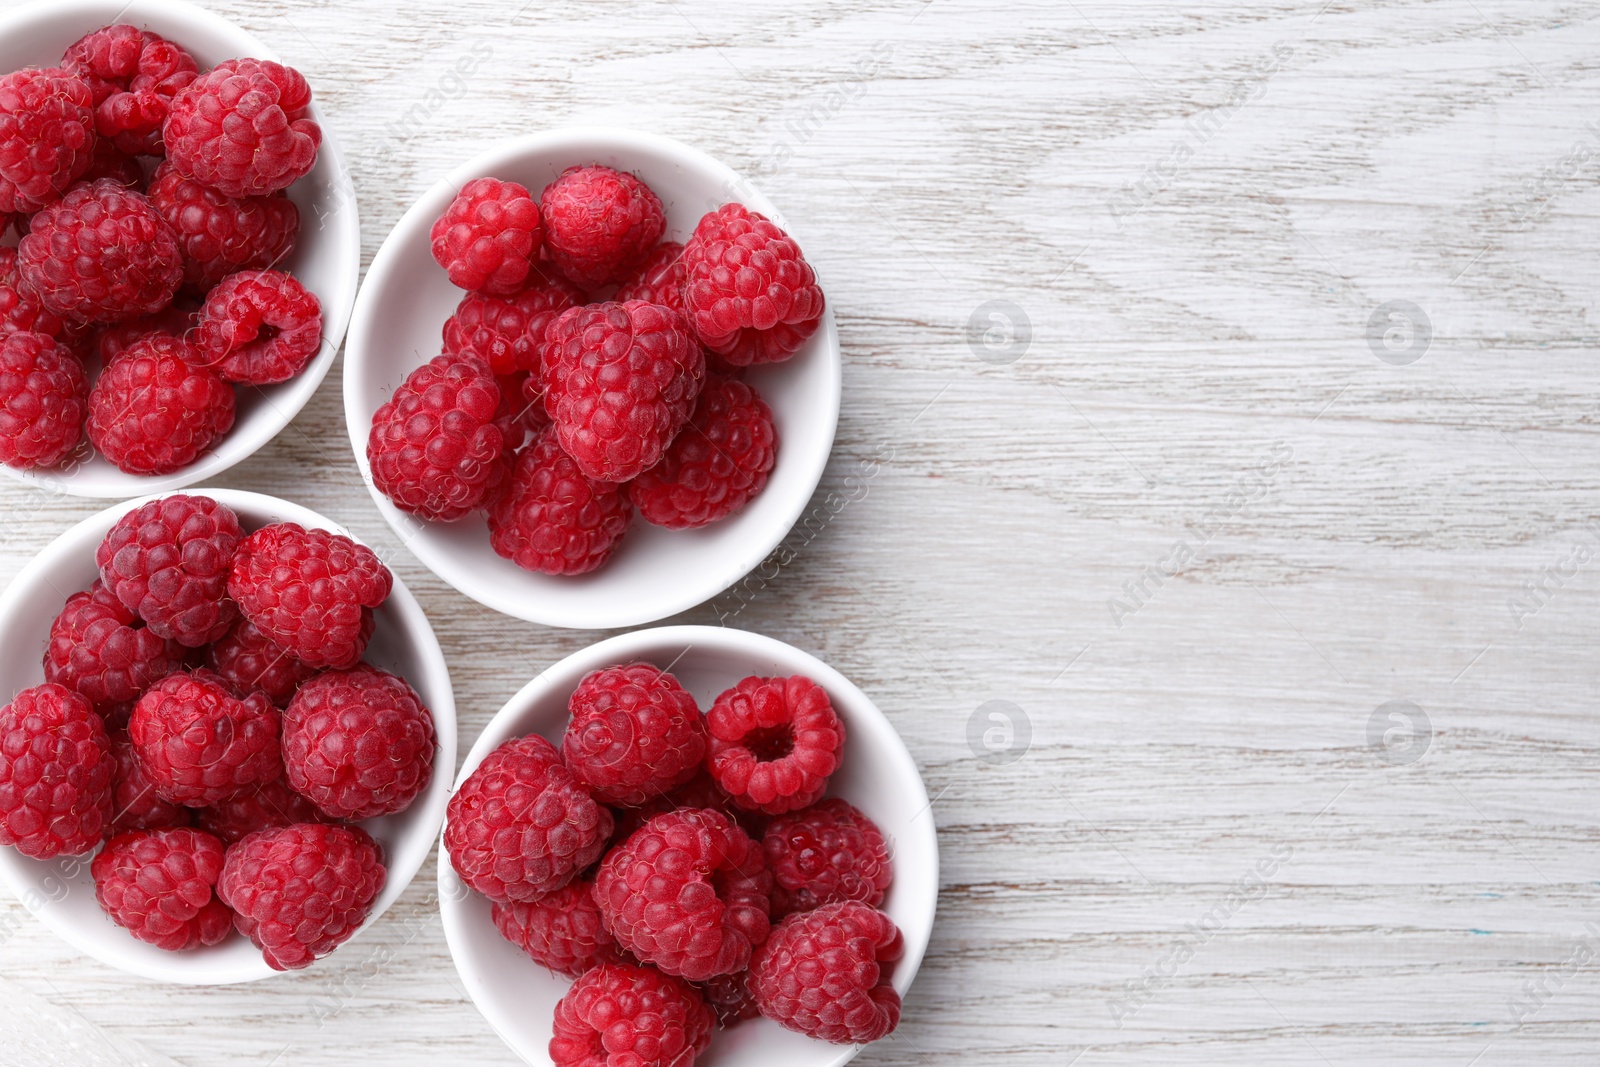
(1235, 363)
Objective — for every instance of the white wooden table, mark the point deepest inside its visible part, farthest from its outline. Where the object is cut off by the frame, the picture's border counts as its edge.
(1290, 397)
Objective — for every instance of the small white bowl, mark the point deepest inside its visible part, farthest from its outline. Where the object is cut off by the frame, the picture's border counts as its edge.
(327, 258)
(397, 327)
(61, 892)
(518, 997)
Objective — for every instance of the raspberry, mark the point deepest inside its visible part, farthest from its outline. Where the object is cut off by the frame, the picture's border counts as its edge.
(828, 853)
(701, 791)
(161, 886)
(259, 327)
(635, 733)
(43, 397)
(21, 310)
(218, 235)
(259, 807)
(358, 743)
(825, 973)
(506, 332)
(175, 321)
(716, 465)
(730, 998)
(310, 591)
(489, 236)
(434, 448)
(46, 136)
(561, 931)
(135, 804)
(168, 562)
(100, 649)
(301, 891)
(521, 825)
(774, 742)
(56, 769)
(687, 892)
(243, 128)
(599, 224)
(659, 279)
(619, 1015)
(134, 75)
(101, 254)
(198, 744)
(551, 518)
(153, 411)
(742, 273)
(620, 382)
(248, 661)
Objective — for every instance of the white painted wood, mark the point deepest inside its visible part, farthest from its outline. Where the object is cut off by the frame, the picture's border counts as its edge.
(936, 156)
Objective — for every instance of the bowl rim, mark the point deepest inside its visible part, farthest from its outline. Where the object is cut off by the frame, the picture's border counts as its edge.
(402, 861)
(412, 224)
(623, 648)
(335, 318)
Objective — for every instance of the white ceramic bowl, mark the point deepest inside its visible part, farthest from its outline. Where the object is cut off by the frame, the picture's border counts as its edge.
(61, 892)
(397, 326)
(327, 260)
(518, 997)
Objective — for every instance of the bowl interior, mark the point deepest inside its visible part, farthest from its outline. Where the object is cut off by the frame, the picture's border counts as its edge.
(518, 997)
(397, 326)
(61, 892)
(327, 259)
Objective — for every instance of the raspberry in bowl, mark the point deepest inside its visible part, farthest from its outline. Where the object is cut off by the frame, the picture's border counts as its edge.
(142, 90)
(192, 625)
(683, 742)
(563, 403)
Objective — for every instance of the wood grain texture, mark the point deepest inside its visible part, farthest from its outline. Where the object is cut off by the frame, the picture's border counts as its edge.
(1187, 519)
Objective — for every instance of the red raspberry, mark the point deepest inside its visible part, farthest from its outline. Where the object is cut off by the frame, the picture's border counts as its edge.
(716, 465)
(101, 254)
(434, 448)
(635, 733)
(175, 321)
(688, 893)
(46, 136)
(825, 973)
(301, 891)
(561, 931)
(358, 743)
(774, 742)
(135, 804)
(521, 825)
(619, 1015)
(620, 382)
(659, 280)
(218, 234)
(161, 886)
(828, 853)
(153, 411)
(551, 518)
(310, 591)
(489, 237)
(21, 310)
(730, 998)
(506, 332)
(168, 562)
(260, 807)
(43, 397)
(701, 791)
(100, 649)
(134, 75)
(599, 224)
(248, 661)
(243, 128)
(742, 273)
(55, 773)
(198, 744)
(259, 327)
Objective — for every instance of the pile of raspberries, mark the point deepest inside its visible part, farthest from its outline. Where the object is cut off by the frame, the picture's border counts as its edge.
(149, 201)
(593, 368)
(684, 868)
(206, 714)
